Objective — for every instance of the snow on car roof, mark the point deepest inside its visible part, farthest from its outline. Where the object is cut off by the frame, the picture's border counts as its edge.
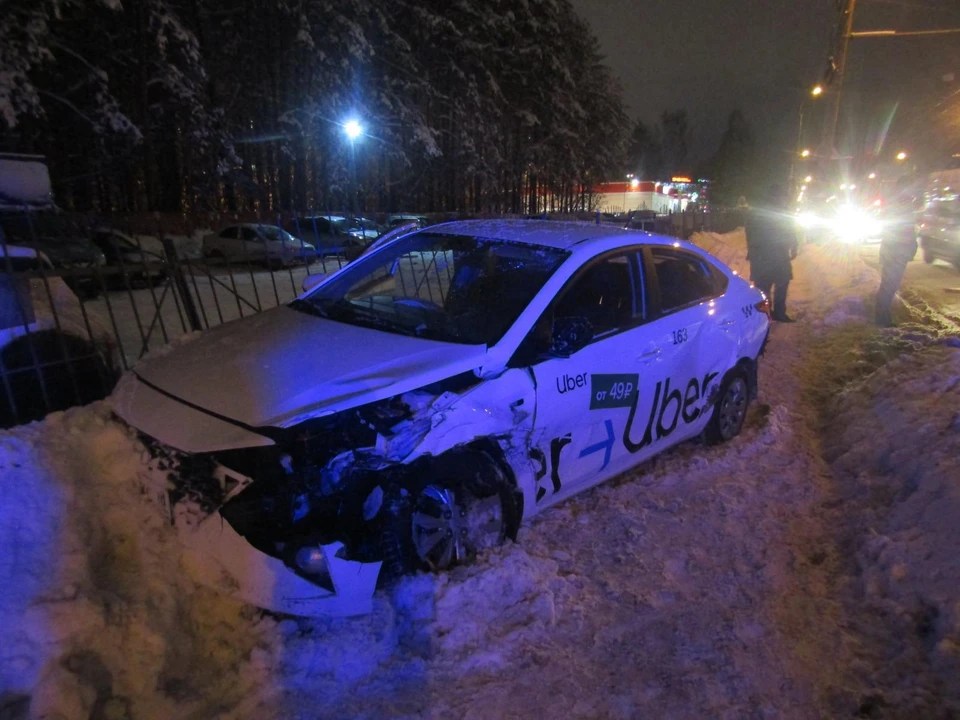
(550, 233)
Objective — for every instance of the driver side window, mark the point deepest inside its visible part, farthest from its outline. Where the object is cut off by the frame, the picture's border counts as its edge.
(607, 296)
(604, 298)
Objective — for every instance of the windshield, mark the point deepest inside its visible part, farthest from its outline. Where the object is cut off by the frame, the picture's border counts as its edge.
(453, 288)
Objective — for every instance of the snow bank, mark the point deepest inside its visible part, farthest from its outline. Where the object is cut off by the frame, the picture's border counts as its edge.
(894, 442)
(97, 617)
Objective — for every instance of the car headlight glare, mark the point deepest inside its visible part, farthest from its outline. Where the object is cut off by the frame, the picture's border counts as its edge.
(855, 225)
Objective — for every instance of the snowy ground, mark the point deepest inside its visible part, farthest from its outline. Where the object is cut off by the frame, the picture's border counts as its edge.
(806, 570)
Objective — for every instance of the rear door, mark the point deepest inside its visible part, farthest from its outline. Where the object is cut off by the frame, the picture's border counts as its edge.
(251, 245)
(693, 337)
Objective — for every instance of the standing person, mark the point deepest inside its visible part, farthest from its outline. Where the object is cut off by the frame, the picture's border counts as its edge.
(771, 248)
(897, 248)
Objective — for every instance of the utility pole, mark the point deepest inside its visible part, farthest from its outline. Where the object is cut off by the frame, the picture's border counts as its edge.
(832, 116)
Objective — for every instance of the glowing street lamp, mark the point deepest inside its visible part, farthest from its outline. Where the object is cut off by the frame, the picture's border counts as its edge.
(634, 183)
(805, 153)
(817, 90)
(353, 129)
(872, 176)
(808, 179)
(901, 156)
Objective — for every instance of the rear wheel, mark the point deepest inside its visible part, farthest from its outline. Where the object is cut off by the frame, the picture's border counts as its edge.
(730, 410)
(928, 256)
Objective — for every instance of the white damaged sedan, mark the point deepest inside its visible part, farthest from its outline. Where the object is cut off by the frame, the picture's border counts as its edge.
(414, 407)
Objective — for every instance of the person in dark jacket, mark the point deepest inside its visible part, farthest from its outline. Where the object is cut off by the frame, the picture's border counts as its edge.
(771, 248)
(897, 248)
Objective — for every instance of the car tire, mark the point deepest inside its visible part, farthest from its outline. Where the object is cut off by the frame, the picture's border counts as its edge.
(462, 502)
(730, 410)
(926, 253)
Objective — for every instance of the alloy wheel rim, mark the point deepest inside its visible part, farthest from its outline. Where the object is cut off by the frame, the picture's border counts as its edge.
(450, 526)
(733, 408)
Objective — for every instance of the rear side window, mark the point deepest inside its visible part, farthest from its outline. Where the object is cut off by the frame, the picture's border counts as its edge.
(249, 234)
(684, 279)
(229, 234)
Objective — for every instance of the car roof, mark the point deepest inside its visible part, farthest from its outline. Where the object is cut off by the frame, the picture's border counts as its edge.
(562, 235)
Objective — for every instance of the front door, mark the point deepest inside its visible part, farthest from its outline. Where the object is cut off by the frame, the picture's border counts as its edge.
(584, 400)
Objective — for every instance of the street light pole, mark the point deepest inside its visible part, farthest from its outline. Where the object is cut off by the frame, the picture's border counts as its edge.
(833, 113)
(353, 130)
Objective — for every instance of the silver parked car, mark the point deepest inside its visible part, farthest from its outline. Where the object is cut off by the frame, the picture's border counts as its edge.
(253, 242)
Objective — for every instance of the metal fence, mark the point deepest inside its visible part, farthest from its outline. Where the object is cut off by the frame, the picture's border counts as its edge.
(77, 311)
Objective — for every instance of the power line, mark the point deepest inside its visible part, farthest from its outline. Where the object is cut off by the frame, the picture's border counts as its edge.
(902, 33)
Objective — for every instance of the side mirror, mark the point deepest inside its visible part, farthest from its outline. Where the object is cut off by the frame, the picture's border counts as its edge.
(569, 335)
(311, 281)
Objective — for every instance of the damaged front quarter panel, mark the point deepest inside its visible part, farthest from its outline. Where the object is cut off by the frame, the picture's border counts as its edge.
(298, 526)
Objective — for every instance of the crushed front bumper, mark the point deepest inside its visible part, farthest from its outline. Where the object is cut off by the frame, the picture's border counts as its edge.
(220, 558)
(217, 556)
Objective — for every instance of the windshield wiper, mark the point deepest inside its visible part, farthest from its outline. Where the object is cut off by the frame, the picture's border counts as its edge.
(305, 306)
(348, 312)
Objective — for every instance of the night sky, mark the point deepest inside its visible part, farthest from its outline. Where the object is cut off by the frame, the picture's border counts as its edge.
(762, 56)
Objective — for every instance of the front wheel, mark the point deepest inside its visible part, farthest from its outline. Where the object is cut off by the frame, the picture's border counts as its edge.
(466, 504)
(927, 254)
(730, 410)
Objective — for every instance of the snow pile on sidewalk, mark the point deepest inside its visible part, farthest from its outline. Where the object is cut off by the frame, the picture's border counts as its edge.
(895, 446)
(97, 619)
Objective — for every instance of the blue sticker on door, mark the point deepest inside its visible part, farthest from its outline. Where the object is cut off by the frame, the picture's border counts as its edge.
(612, 391)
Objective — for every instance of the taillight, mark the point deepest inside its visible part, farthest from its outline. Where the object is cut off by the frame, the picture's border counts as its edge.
(763, 306)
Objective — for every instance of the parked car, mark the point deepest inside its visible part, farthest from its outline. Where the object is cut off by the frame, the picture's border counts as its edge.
(415, 406)
(62, 242)
(336, 234)
(938, 224)
(398, 220)
(52, 354)
(253, 242)
(129, 262)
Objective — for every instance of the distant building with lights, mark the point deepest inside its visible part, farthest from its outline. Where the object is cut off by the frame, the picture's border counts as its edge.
(662, 197)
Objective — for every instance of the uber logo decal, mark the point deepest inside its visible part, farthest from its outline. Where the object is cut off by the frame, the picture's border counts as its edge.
(671, 405)
(568, 383)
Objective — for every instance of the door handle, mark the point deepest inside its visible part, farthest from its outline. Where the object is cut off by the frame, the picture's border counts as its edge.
(727, 323)
(649, 355)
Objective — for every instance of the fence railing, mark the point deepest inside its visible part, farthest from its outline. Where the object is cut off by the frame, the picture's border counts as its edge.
(77, 311)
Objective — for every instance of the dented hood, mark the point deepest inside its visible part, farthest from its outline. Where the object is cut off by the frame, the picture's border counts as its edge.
(280, 367)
